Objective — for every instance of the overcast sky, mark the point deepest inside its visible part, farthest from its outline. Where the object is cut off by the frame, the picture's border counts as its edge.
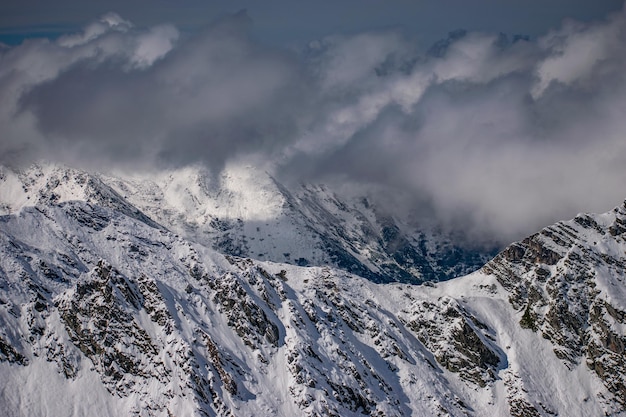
(297, 21)
(489, 133)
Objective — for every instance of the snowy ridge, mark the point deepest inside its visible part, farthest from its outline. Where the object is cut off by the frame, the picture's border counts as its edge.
(103, 311)
(49, 184)
(170, 327)
(569, 281)
(246, 212)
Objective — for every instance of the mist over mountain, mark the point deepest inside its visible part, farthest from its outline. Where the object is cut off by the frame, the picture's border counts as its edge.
(247, 213)
(492, 136)
(105, 311)
(207, 223)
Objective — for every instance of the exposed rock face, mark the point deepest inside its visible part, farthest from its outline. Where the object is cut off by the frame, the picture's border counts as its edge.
(569, 281)
(363, 240)
(105, 310)
(162, 322)
(460, 342)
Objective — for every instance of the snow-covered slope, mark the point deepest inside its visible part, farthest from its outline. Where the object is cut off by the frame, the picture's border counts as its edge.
(160, 325)
(104, 312)
(246, 212)
(50, 184)
(569, 280)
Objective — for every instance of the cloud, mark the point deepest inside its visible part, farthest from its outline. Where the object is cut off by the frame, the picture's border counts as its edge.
(125, 95)
(579, 54)
(45, 67)
(485, 135)
(492, 137)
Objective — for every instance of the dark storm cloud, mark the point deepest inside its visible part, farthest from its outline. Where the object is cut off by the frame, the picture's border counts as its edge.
(213, 96)
(493, 137)
(487, 135)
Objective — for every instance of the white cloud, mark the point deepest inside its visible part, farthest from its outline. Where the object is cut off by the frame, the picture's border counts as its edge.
(154, 44)
(108, 22)
(490, 137)
(577, 52)
(479, 138)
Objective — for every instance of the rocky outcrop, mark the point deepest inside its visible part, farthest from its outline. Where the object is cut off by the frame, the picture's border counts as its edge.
(160, 320)
(92, 294)
(364, 240)
(459, 342)
(566, 281)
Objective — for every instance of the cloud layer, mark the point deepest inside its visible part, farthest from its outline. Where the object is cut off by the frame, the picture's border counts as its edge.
(490, 136)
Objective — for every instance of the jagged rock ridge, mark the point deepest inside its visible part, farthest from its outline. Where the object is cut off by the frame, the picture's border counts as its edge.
(104, 311)
(569, 281)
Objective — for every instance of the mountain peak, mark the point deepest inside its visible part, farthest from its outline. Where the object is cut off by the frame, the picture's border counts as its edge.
(104, 309)
(244, 211)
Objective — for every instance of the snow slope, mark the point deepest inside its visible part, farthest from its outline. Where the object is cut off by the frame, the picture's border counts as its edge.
(105, 312)
(246, 212)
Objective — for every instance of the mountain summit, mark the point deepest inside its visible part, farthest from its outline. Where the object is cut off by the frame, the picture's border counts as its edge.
(107, 308)
(246, 212)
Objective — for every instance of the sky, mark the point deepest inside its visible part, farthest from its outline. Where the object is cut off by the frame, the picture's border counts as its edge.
(297, 21)
(492, 121)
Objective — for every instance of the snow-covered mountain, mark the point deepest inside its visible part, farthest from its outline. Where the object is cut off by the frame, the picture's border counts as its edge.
(246, 212)
(104, 311)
